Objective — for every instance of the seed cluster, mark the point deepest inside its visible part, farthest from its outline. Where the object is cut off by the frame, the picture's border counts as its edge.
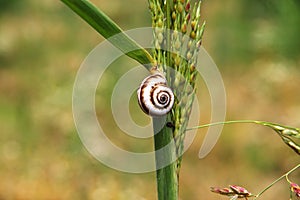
(177, 39)
(289, 135)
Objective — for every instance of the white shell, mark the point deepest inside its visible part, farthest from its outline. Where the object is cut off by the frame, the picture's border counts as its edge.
(154, 96)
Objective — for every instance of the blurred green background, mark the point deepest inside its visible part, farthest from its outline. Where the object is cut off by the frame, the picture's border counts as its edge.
(255, 44)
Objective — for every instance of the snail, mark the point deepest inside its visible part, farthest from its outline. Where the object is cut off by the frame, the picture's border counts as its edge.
(154, 96)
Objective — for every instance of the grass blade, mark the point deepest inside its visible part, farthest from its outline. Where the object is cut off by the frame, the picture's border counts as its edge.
(108, 28)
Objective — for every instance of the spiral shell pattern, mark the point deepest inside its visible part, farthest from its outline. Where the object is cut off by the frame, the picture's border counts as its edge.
(154, 96)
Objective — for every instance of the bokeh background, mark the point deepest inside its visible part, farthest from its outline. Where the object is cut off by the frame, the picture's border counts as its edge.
(255, 44)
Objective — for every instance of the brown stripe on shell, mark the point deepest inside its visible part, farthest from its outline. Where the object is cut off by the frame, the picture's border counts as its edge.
(169, 98)
(154, 87)
(158, 87)
(153, 102)
(142, 99)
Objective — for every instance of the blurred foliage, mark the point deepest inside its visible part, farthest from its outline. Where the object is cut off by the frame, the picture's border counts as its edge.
(8, 6)
(43, 43)
(249, 30)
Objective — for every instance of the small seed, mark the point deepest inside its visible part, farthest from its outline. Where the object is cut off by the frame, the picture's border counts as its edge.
(188, 17)
(159, 23)
(160, 38)
(189, 44)
(180, 8)
(188, 56)
(193, 35)
(199, 43)
(175, 34)
(183, 28)
(151, 6)
(193, 24)
(192, 78)
(187, 7)
(174, 55)
(280, 128)
(192, 68)
(173, 15)
(177, 44)
(177, 61)
(290, 132)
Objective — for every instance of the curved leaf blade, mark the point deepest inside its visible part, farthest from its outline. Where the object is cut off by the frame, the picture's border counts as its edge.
(108, 28)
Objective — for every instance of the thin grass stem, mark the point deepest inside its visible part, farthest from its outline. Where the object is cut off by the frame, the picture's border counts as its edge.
(277, 180)
(226, 122)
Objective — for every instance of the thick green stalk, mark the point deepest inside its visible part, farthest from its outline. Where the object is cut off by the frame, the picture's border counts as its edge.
(170, 19)
(166, 177)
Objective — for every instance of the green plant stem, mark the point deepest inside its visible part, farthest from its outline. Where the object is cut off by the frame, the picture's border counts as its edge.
(166, 177)
(226, 122)
(253, 122)
(286, 133)
(277, 180)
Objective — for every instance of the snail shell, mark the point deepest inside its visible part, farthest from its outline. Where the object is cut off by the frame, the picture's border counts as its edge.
(154, 96)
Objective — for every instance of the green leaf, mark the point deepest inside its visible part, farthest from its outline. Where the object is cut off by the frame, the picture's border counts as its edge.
(108, 28)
